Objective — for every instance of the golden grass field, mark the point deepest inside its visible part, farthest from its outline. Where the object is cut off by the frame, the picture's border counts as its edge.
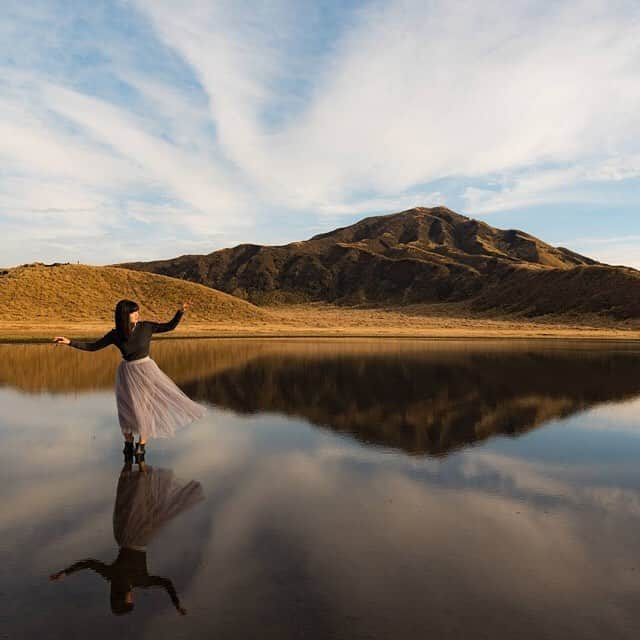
(39, 302)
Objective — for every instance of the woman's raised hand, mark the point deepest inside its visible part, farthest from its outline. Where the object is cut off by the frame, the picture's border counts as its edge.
(61, 340)
(185, 305)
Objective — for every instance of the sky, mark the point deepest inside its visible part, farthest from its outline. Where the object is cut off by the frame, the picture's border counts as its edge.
(148, 129)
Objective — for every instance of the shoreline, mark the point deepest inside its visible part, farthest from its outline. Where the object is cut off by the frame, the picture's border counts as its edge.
(526, 334)
(324, 321)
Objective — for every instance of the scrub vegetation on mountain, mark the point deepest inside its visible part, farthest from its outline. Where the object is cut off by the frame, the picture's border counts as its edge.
(414, 257)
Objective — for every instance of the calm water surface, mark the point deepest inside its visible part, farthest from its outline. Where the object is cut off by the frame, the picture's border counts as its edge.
(335, 489)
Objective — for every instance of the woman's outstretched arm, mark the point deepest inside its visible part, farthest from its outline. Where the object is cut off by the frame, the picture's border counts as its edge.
(89, 563)
(105, 341)
(163, 327)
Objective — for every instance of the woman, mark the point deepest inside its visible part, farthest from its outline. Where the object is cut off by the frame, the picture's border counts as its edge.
(146, 500)
(149, 403)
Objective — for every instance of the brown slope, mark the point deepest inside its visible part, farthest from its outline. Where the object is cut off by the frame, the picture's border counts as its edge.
(600, 289)
(72, 292)
(418, 255)
(443, 232)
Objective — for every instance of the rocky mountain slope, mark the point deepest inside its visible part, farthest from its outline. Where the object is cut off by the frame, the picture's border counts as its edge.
(415, 256)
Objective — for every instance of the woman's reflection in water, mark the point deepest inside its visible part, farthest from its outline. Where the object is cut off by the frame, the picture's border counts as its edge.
(146, 500)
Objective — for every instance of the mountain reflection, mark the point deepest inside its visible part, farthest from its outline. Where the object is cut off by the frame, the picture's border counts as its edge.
(420, 397)
(147, 499)
(427, 403)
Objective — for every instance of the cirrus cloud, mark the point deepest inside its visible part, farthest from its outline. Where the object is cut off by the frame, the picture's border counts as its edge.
(194, 123)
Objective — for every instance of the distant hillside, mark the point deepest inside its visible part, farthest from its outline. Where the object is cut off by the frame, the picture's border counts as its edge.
(419, 255)
(72, 292)
(599, 289)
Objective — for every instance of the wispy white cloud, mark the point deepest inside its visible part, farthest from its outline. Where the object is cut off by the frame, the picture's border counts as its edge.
(72, 163)
(624, 253)
(194, 179)
(381, 204)
(556, 185)
(415, 92)
(219, 117)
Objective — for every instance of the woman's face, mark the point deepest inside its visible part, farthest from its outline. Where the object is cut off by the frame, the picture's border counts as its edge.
(133, 317)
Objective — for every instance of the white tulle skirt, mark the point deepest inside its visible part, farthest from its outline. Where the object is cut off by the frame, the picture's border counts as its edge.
(147, 501)
(150, 404)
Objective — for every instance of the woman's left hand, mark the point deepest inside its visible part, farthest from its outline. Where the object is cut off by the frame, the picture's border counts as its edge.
(185, 305)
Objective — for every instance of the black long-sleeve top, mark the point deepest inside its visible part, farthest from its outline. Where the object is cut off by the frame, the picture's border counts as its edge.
(137, 345)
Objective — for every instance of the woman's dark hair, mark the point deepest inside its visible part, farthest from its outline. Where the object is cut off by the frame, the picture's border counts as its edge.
(119, 604)
(122, 311)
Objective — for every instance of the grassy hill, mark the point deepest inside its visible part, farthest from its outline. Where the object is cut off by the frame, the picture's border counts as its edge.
(77, 292)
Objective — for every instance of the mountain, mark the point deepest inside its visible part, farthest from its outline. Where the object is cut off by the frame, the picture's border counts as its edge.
(415, 256)
(70, 292)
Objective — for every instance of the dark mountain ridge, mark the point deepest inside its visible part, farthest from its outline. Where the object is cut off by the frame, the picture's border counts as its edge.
(416, 256)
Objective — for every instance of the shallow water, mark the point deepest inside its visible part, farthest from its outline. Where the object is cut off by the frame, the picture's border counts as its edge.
(337, 489)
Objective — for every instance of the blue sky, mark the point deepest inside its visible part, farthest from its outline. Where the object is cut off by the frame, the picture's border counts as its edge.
(142, 129)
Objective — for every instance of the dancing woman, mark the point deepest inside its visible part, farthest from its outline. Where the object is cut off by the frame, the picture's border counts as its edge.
(149, 403)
